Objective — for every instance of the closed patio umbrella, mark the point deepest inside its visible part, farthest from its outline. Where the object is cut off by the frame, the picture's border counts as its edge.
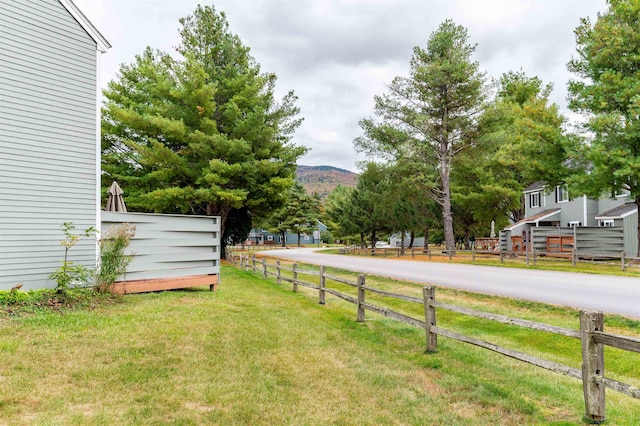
(115, 203)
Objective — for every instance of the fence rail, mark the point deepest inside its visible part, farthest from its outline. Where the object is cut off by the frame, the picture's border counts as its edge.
(532, 256)
(592, 338)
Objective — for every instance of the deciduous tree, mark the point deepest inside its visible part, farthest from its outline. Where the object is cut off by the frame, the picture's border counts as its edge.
(521, 141)
(608, 92)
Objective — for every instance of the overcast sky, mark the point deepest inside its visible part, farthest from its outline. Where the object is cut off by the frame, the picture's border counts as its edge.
(336, 55)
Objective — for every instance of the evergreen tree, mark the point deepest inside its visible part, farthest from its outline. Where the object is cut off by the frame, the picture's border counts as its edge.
(338, 210)
(430, 117)
(370, 202)
(299, 215)
(200, 133)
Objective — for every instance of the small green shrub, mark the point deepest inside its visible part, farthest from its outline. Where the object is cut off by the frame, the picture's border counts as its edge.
(16, 302)
(113, 261)
(70, 273)
(13, 296)
(327, 237)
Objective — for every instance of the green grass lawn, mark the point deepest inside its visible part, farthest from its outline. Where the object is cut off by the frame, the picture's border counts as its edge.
(257, 353)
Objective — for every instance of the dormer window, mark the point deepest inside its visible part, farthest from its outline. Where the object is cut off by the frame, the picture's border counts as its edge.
(562, 194)
(534, 199)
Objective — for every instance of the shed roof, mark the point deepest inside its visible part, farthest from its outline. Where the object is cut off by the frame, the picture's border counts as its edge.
(619, 212)
(535, 186)
(533, 220)
(101, 42)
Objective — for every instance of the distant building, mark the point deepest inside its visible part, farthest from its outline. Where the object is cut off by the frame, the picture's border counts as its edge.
(555, 207)
(259, 236)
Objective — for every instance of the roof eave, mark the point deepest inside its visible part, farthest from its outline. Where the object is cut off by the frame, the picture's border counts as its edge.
(102, 44)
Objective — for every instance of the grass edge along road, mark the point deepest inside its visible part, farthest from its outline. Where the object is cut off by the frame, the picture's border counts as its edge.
(599, 267)
(257, 353)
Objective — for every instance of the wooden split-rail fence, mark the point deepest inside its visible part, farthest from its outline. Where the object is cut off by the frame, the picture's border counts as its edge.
(530, 257)
(591, 333)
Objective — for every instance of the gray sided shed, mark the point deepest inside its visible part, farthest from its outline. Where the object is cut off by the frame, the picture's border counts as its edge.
(49, 134)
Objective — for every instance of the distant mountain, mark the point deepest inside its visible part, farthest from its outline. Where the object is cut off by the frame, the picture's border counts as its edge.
(324, 179)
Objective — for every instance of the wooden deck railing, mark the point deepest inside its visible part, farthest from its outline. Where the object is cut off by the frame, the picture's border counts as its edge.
(591, 332)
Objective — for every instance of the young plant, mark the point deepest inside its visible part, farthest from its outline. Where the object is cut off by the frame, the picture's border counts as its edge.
(113, 261)
(69, 272)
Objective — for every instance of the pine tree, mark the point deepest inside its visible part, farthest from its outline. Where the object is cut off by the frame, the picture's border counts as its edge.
(200, 133)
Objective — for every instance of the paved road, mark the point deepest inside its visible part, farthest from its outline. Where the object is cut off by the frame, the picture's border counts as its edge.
(617, 295)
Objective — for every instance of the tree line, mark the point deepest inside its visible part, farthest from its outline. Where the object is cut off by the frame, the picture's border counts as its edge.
(200, 131)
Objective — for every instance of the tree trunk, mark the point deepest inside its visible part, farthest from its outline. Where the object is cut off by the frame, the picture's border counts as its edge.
(425, 245)
(445, 156)
(402, 243)
(362, 242)
(638, 228)
(213, 209)
(412, 239)
(447, 217)
(373, 243)
(299, 239)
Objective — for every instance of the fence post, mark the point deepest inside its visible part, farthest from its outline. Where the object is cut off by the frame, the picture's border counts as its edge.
(429, 253)
(295, 277)
(533, 253)
(254, 263)
(278, 273)
(592, 366)
(473, 253)
(321, 287)
(413, 255)
(573, 257)
(624, 266)
(429, 294)
(361, 283)
(264, 268)
(501, 256)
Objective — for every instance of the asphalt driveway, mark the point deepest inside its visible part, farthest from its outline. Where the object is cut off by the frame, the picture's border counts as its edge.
(610, 294)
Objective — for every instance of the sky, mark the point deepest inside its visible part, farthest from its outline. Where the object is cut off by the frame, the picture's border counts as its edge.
(336, 55)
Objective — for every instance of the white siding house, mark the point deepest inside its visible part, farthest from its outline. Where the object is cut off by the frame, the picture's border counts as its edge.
(49, 136)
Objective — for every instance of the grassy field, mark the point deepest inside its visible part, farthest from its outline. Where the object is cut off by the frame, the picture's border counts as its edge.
(257, 353)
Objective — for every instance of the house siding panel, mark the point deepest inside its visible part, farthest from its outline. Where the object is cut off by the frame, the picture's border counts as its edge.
(572, 211)
(630, 226)
(592, 212)
(47, 139)
(605, 204)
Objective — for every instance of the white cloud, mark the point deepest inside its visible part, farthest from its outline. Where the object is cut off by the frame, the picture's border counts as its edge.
(337, 55)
